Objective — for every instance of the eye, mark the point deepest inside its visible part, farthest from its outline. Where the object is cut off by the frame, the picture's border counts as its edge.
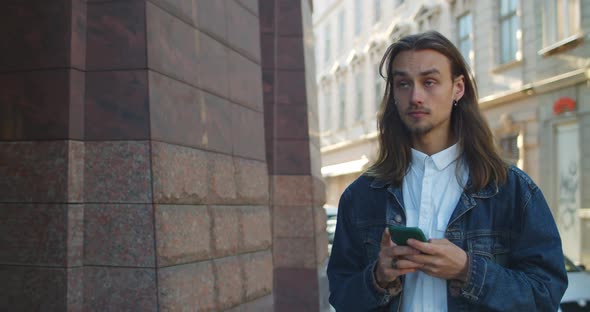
(402, 84)
(429, 82)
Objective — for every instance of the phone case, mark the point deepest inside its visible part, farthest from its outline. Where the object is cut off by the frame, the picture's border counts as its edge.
(401, 234)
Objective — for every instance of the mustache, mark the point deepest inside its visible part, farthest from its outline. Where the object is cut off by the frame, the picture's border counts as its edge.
(413, 110)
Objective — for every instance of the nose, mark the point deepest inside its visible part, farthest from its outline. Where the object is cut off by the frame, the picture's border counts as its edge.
(417, 95)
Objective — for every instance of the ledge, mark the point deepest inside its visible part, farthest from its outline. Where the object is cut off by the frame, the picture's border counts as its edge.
(538, 87)
(562, 44)
(506, 66)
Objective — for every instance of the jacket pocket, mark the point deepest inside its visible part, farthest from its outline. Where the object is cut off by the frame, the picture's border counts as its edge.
(371, 233)
(491, 245)
(372, 242)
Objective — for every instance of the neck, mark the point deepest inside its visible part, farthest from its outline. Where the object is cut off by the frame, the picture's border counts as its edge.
(431, 144)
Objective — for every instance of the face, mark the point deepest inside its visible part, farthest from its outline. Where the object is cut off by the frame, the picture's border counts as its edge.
(424, 91)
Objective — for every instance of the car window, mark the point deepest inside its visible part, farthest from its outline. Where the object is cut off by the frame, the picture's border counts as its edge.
(570, 266)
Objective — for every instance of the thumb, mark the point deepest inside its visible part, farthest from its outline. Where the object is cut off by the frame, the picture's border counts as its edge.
(386, 238)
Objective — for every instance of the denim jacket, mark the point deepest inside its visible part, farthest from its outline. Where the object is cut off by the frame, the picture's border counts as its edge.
(514, 249)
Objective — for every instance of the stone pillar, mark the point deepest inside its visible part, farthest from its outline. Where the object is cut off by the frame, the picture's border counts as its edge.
(133, 176)
(292, 145)
(42, 81)
(210, 180)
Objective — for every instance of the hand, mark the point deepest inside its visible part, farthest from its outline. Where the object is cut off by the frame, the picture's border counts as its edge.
(385, 273)
(440, 258)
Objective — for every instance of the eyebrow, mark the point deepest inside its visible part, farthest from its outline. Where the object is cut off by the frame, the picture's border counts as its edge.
(423, 73)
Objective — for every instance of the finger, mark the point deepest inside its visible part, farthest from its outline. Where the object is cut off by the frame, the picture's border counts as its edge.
(395, 251)
(386, 239)
(400, 251)
(443, 241)
(394, 273)
(403, 264)
(421, 259)
(405, 271)
(426, 248)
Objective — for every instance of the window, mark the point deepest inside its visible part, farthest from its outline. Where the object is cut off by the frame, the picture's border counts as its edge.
(359, 96)
(508, 31)
(341, 30)
(327, 45)
(377, 10)
(328, 110)
(561, 20)
(465, 37)
(509, 148)
(342, 96)
(378, 92)
(357, 17)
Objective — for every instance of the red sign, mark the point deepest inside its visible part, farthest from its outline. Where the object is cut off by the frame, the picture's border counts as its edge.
(564, 104)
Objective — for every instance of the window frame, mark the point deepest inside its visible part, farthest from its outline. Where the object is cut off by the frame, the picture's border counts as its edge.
(513, 15)
(551, 24)
(342, 105)
(327, 43)
(328, 110)
(358, 18)
(358, 88)
(467, 38)
(377, 5)
(341, 29)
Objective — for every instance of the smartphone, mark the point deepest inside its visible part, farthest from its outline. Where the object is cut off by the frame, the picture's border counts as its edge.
(401, 234)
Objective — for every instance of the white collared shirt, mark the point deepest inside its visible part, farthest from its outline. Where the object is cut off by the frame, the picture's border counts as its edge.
(431, 192)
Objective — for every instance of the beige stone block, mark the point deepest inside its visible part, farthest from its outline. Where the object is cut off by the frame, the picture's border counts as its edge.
(189, 287)
(226, 230)
(294, 253)
(319, 191)
(180, 174)
(251, 181)
(230, 280)
(291, 190)
(119, 235)
(319, 214)
(321, 241)
(117, 172)
(75, 172)
(222, 185)
(255, 224)
(258, 272)
(293, 221)
(183, 234)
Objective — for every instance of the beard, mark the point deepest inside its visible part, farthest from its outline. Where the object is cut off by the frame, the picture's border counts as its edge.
(418, 130)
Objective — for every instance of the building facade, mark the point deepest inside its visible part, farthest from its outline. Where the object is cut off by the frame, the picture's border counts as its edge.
(532, 66)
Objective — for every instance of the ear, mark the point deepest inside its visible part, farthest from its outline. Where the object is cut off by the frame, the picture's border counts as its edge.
(458, 87)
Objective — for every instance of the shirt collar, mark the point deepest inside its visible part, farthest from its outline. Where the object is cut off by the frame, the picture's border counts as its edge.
(441, 159)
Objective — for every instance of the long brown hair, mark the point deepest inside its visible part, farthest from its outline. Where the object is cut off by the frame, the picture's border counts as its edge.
(467, 123)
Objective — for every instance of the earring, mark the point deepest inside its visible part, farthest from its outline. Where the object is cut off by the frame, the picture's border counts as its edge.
(455, 103)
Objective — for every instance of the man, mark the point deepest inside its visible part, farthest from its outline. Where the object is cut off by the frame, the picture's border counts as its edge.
(493, 244)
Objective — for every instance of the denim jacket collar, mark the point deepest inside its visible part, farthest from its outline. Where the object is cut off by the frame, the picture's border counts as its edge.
(488, 191)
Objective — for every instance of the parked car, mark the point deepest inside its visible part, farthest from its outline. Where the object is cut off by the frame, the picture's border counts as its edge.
(577, 295)
(331, 216)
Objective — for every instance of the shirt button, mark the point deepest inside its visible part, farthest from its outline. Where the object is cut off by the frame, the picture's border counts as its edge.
(398, 218)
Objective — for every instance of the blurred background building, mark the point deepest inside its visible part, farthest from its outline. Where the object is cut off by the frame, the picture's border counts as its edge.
(530, 60)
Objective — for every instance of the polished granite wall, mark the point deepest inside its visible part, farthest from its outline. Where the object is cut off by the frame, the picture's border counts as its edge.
(297, 189)
(136, 172)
